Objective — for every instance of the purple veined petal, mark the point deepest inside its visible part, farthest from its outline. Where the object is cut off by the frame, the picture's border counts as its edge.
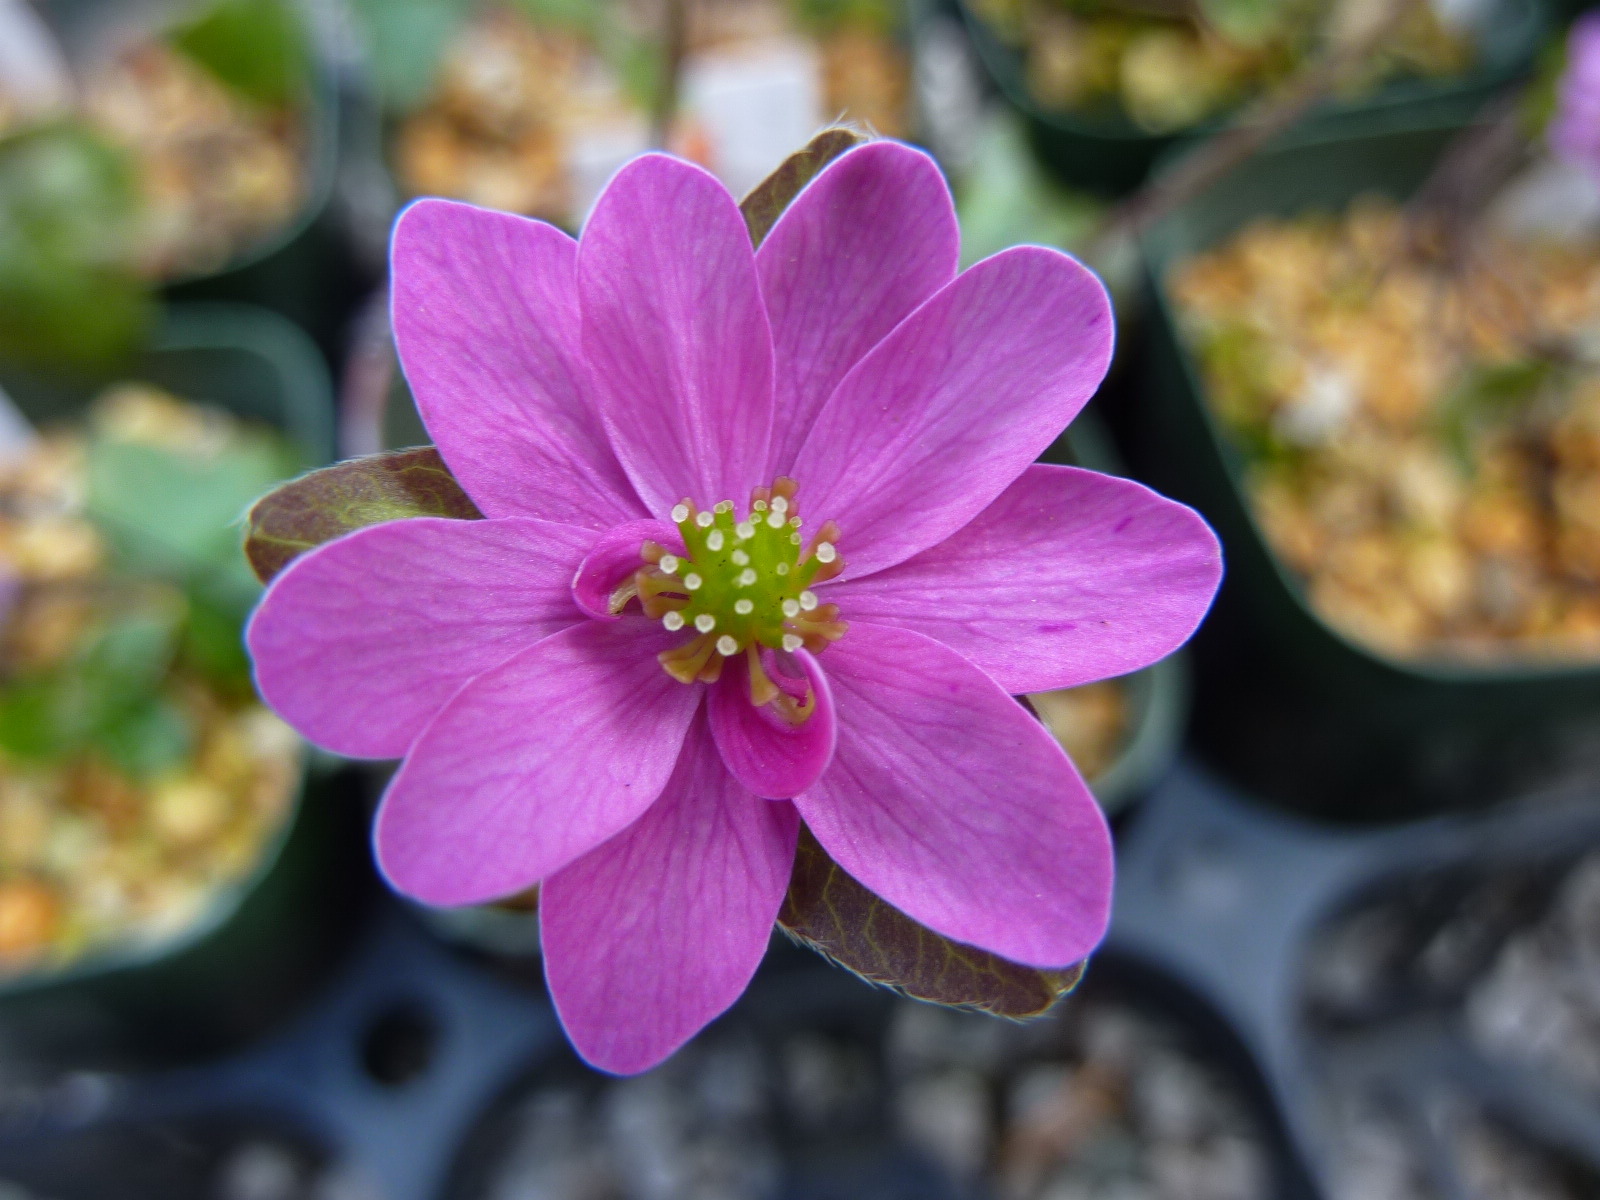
(869, 240)
(676, 335)
(1070, 576)
(762, 750)
(615, 557)
(948, 409)
(950, 801)
(651, 936)
(535, 763)
(360, 642)
(485, 312)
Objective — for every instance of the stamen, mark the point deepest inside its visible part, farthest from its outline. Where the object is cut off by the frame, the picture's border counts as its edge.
(741, 585)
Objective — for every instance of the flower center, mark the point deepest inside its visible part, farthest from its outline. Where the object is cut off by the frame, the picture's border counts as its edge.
(743, 584)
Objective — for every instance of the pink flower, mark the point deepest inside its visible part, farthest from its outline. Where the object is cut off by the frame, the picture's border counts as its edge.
(643, 416)
(1575, 129)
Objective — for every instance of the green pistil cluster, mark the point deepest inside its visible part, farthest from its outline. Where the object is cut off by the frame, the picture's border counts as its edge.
(741, 584)
(745, 580)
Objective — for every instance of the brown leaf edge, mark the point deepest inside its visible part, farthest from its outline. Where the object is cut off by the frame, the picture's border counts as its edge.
(834, 915)
(322, 505)
(767, 200)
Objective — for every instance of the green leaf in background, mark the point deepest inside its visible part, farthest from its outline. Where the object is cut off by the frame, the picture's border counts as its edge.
(106, 696)
(258, 48)
(326, 504)
(174, 513)
(833, 914)
(1008, 200)
(1492, 394)
(69, 205)
(405, 42)
(147, 738)
(1250, 22)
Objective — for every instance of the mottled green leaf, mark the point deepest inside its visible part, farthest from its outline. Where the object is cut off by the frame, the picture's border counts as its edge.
(767, 200)
(258, 48)
(325, 504)
(833, 914)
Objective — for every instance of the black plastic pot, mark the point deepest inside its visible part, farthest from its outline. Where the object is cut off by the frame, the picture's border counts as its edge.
(1290, 705)
(252, 951)
(1229, 899)
(302, 270)
(1111, 155)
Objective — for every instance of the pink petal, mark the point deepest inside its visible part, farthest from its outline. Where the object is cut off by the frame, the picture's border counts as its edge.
(951, 802)
(659, 930)
(762, 750)
(360, 642)
(873, 237)
(535, 763)
(675, 332)
(485, 313)
(615, 557)
(949, 408)
(1070, 576)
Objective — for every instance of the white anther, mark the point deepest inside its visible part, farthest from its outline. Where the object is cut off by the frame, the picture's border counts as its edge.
(680, 513)
(714, 540)
(692, 581)
(705, 622)
(795, 522)
(673, 621)
(808, 600)
(740, 558)
(780, 504)
(792, 642)
(782, 568)
(727, 645)
(724, 506)
(703, 519)
(670, 563)
(791, 609)
(746, 577)
(825, 552)
(744, 607)
(759, 506)
(794, 538)
(745, 531)
(775, 520)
